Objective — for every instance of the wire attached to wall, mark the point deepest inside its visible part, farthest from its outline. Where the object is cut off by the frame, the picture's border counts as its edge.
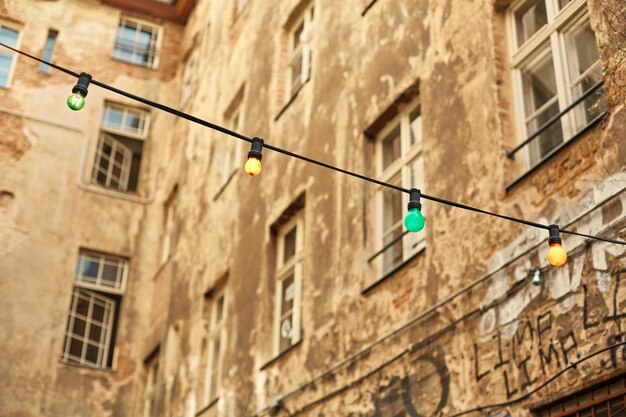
(80, 90)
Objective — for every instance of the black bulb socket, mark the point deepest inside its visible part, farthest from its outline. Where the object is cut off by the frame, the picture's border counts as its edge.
(83, 83)
(555, 236)
(414, 199)
(256, 149)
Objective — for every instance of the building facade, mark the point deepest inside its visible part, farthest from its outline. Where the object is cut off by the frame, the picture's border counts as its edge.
(145, 274)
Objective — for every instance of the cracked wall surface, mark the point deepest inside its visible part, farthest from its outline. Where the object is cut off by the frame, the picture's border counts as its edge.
(394, 347)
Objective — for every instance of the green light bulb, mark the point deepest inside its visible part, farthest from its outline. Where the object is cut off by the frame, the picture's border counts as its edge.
(414, 221)
(76, 101)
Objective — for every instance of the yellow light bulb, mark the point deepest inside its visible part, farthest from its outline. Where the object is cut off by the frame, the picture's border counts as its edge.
(557, 255)
(252, 167)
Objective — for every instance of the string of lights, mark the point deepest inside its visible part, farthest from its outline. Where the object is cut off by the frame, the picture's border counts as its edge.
(414, 220)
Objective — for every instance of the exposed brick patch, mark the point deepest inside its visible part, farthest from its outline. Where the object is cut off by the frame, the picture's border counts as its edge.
(13, 142)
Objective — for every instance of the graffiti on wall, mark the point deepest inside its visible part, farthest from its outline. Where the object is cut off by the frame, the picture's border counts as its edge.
(423, 392)
(530, 349)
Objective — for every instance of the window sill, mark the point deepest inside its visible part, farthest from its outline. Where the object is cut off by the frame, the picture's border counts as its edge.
(555, 151)
(89, 367)
(368, 6)
(385, 277)
(280, 355)
(291, 99)
(206, 407)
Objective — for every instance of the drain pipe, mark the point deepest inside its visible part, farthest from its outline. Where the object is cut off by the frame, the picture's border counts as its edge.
(83, 160)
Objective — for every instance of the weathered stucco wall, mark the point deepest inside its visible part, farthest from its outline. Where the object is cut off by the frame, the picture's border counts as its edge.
(497, 341)
(47, 217)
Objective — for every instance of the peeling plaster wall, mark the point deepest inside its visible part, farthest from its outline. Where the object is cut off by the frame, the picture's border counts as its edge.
(45, 217)
(495, 342)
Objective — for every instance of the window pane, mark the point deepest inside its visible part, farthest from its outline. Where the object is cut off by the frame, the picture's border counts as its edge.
(617, 386)
(297, 35)
(113, 118)
(109, 274)
(288, 294)
(90, 269)
(582, 50)
(392, 205)
(539, 83)
(529, 19)
(601, 410)
(296, 73)
(80, 326)
(95, 332)
(415, 126)
(289, 244)
(9, 36)
(286, 332)
(391, 147)
(563, 3)
(393, 255)
(92, 354)
(392, 225)
(219, 310)
(76, 348)
(48, 50)
(617, 407)
(540, 104)
(550, 138)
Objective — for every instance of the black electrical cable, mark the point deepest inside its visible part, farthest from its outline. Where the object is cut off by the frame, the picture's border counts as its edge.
(239, 136)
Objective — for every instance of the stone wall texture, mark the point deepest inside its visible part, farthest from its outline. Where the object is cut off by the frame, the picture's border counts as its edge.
(459, 327)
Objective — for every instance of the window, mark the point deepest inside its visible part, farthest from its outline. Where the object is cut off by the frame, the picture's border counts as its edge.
(48, 50)
(300, 51)
(120, 146)
(229, 158)
(556, 61)
(137, 43)
(605, 400)
(399, 162)
(98, 285)
(169, 229)
(9, 36)
(290, 242)
(152, 374)
(216, 339)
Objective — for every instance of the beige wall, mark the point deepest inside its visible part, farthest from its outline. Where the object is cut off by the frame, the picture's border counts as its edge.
(449, 359)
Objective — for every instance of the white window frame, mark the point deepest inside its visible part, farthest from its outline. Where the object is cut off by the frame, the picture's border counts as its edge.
(125, 110)
(412, 243)
(102, 259)
(13, 55)
(124, 166)
(217, 331)
(104, 295)
(303, 50)
(283, 271)
(551, 37)
(157, 31)
(107, 136)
